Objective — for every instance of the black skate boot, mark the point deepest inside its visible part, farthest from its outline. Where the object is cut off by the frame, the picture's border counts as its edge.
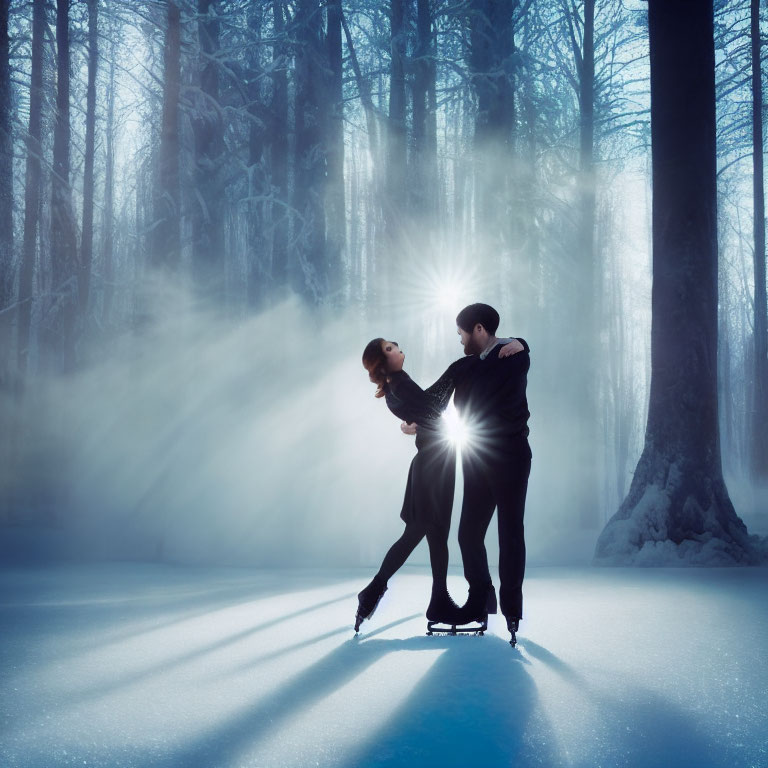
(442, 613)
(512, 625)
(480, 602)
(368, 600)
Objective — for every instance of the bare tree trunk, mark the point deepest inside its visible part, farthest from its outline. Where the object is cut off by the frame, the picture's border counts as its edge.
(6, 194)
(364, 87)
(460, 173)
(586, 331)
(208, 193)
(396, 140)
(355, 253)
(528, 208)
(490, 47)
(259, 266)
(107, 254)
(759, 452)
(424, 190)
(166, 227)
(334, 145)
(373, 210)
(678, 508)
(430, 137)
(279, 151)
(62, 315)
(86, 245)
(725, 386)
(623, 389)
(392, 242)
(31, 188)
(314, 270)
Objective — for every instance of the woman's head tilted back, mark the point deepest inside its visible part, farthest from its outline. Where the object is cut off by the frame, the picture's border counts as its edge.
(382, 358)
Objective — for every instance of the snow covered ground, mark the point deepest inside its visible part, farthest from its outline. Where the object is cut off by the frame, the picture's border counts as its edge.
(146, 665)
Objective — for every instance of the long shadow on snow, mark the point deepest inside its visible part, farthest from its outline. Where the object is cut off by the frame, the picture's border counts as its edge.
(166, 664)
(223, 745)
(472, 708)
(474, 704)
(640, 728)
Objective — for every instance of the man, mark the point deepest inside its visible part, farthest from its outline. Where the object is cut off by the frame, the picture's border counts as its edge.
(496, 464)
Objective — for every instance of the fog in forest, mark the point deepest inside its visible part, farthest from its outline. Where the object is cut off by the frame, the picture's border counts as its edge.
(241, 195)
(258, 440)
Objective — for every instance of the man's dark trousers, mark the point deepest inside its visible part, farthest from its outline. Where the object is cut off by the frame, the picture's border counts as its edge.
(500, 480)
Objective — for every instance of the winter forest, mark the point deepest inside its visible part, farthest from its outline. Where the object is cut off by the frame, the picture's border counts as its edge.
(208, 209)
(210, 206)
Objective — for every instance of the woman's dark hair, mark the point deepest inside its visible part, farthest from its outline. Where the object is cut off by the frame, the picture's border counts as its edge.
(375, 362)
(484, 314)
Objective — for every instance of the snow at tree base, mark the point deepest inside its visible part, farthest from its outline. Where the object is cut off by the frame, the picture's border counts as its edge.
(644, 534)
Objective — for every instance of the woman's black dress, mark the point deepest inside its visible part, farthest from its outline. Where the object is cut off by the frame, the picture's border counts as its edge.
(431, 478)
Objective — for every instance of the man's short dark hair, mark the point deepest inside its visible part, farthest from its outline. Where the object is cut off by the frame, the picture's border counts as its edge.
(484, 314)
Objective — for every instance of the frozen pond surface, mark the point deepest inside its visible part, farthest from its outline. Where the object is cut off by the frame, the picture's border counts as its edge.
(147, 665)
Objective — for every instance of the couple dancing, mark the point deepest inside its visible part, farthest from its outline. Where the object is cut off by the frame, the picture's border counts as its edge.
(488, 385)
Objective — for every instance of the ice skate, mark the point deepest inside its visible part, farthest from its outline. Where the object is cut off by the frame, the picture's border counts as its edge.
(368, 600)
(512, 626)
(480, 602)
(443, 614)
(446, 628)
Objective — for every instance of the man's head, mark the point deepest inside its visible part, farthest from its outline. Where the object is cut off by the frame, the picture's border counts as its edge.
(477, 325)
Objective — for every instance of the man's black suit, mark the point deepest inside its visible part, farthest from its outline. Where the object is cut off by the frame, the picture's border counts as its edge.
(496, 463)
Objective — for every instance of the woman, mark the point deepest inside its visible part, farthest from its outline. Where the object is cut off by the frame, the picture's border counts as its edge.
(429, 493)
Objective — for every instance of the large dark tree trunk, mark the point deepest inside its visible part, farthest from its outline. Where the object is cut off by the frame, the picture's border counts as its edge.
(6, 194)
(678, 508)
(86, 244)
(31, 188)
(313, 270)
(759, 453)
(165, 249)
(207, 210)
(60, 324)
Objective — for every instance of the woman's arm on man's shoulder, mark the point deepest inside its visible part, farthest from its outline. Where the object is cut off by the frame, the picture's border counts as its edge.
(512, 346)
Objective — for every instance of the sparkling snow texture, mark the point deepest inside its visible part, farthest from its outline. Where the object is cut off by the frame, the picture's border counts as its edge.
(147, 665)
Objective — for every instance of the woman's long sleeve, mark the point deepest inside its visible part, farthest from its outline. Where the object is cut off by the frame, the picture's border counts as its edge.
(440, 392)
(407, 400)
